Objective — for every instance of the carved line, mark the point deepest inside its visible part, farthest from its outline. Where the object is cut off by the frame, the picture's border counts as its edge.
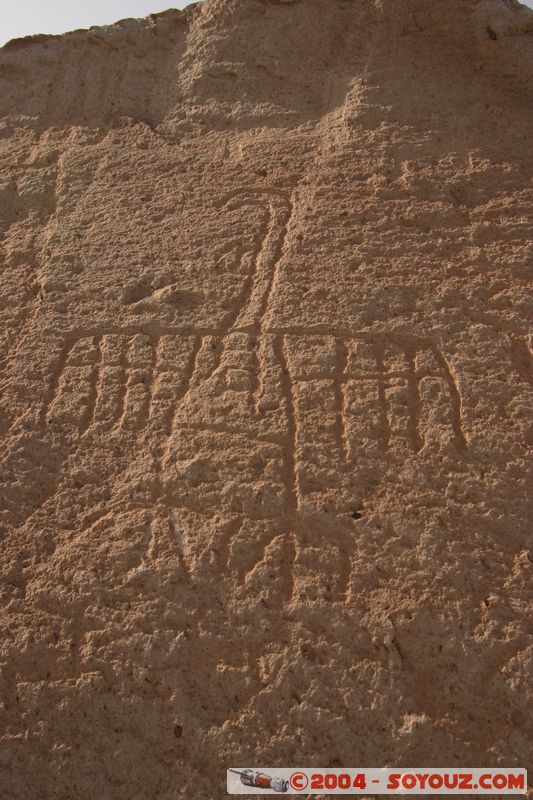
(175, 534)
(122, 391)
(344, 575)
(232, 528)
(341, 362)
(288, 562)
(194, 371)
(162, 521)
(383, 402)
(290, 478)
(153, 329)
(255, 391)
(260, 281)
(456, 399)
(95, 380)
(151, 536)
(126, 381)
(164, 454)
(413, 387)
(152, 377)
(248, 286)
(56, 377)
(259, 388)
(266, 438)
(266, 274)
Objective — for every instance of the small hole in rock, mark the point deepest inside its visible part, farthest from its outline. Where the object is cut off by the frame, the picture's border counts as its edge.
(356, 514)
(492, 34)
(178, 731)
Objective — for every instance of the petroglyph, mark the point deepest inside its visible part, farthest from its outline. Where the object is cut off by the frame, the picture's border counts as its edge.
(352, 396)
(247, 315)
(343, 401)
(266, 390)
(250, 310)
(270, 560)
(357, 398)
(119, 380)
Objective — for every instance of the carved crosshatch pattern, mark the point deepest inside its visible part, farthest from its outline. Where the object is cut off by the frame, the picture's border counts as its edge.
(307, 404)
(343, 399)
(381, 393)
(384, 396)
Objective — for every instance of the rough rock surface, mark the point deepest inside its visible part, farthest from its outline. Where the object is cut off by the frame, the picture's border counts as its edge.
(266, 394)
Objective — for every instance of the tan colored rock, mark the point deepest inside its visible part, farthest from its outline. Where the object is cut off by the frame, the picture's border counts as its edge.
(266, 394)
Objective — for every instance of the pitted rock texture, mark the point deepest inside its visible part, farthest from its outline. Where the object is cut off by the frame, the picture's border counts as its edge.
(266, 395)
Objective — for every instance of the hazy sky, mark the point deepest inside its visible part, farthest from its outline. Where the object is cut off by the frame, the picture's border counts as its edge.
(25, 17)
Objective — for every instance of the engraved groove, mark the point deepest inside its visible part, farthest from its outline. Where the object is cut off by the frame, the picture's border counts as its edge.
(88, 417)
(249, 311)
(341, 361)
(269, 364)
(287, 567)
(414, 403)
(163, 453)
(456, 400)
(290, 480)
(122, 389)
(222, 550)
(383, 402)
(55, 378)
(177, 538)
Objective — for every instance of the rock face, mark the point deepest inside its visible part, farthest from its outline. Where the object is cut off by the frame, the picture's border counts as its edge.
(266, 385)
